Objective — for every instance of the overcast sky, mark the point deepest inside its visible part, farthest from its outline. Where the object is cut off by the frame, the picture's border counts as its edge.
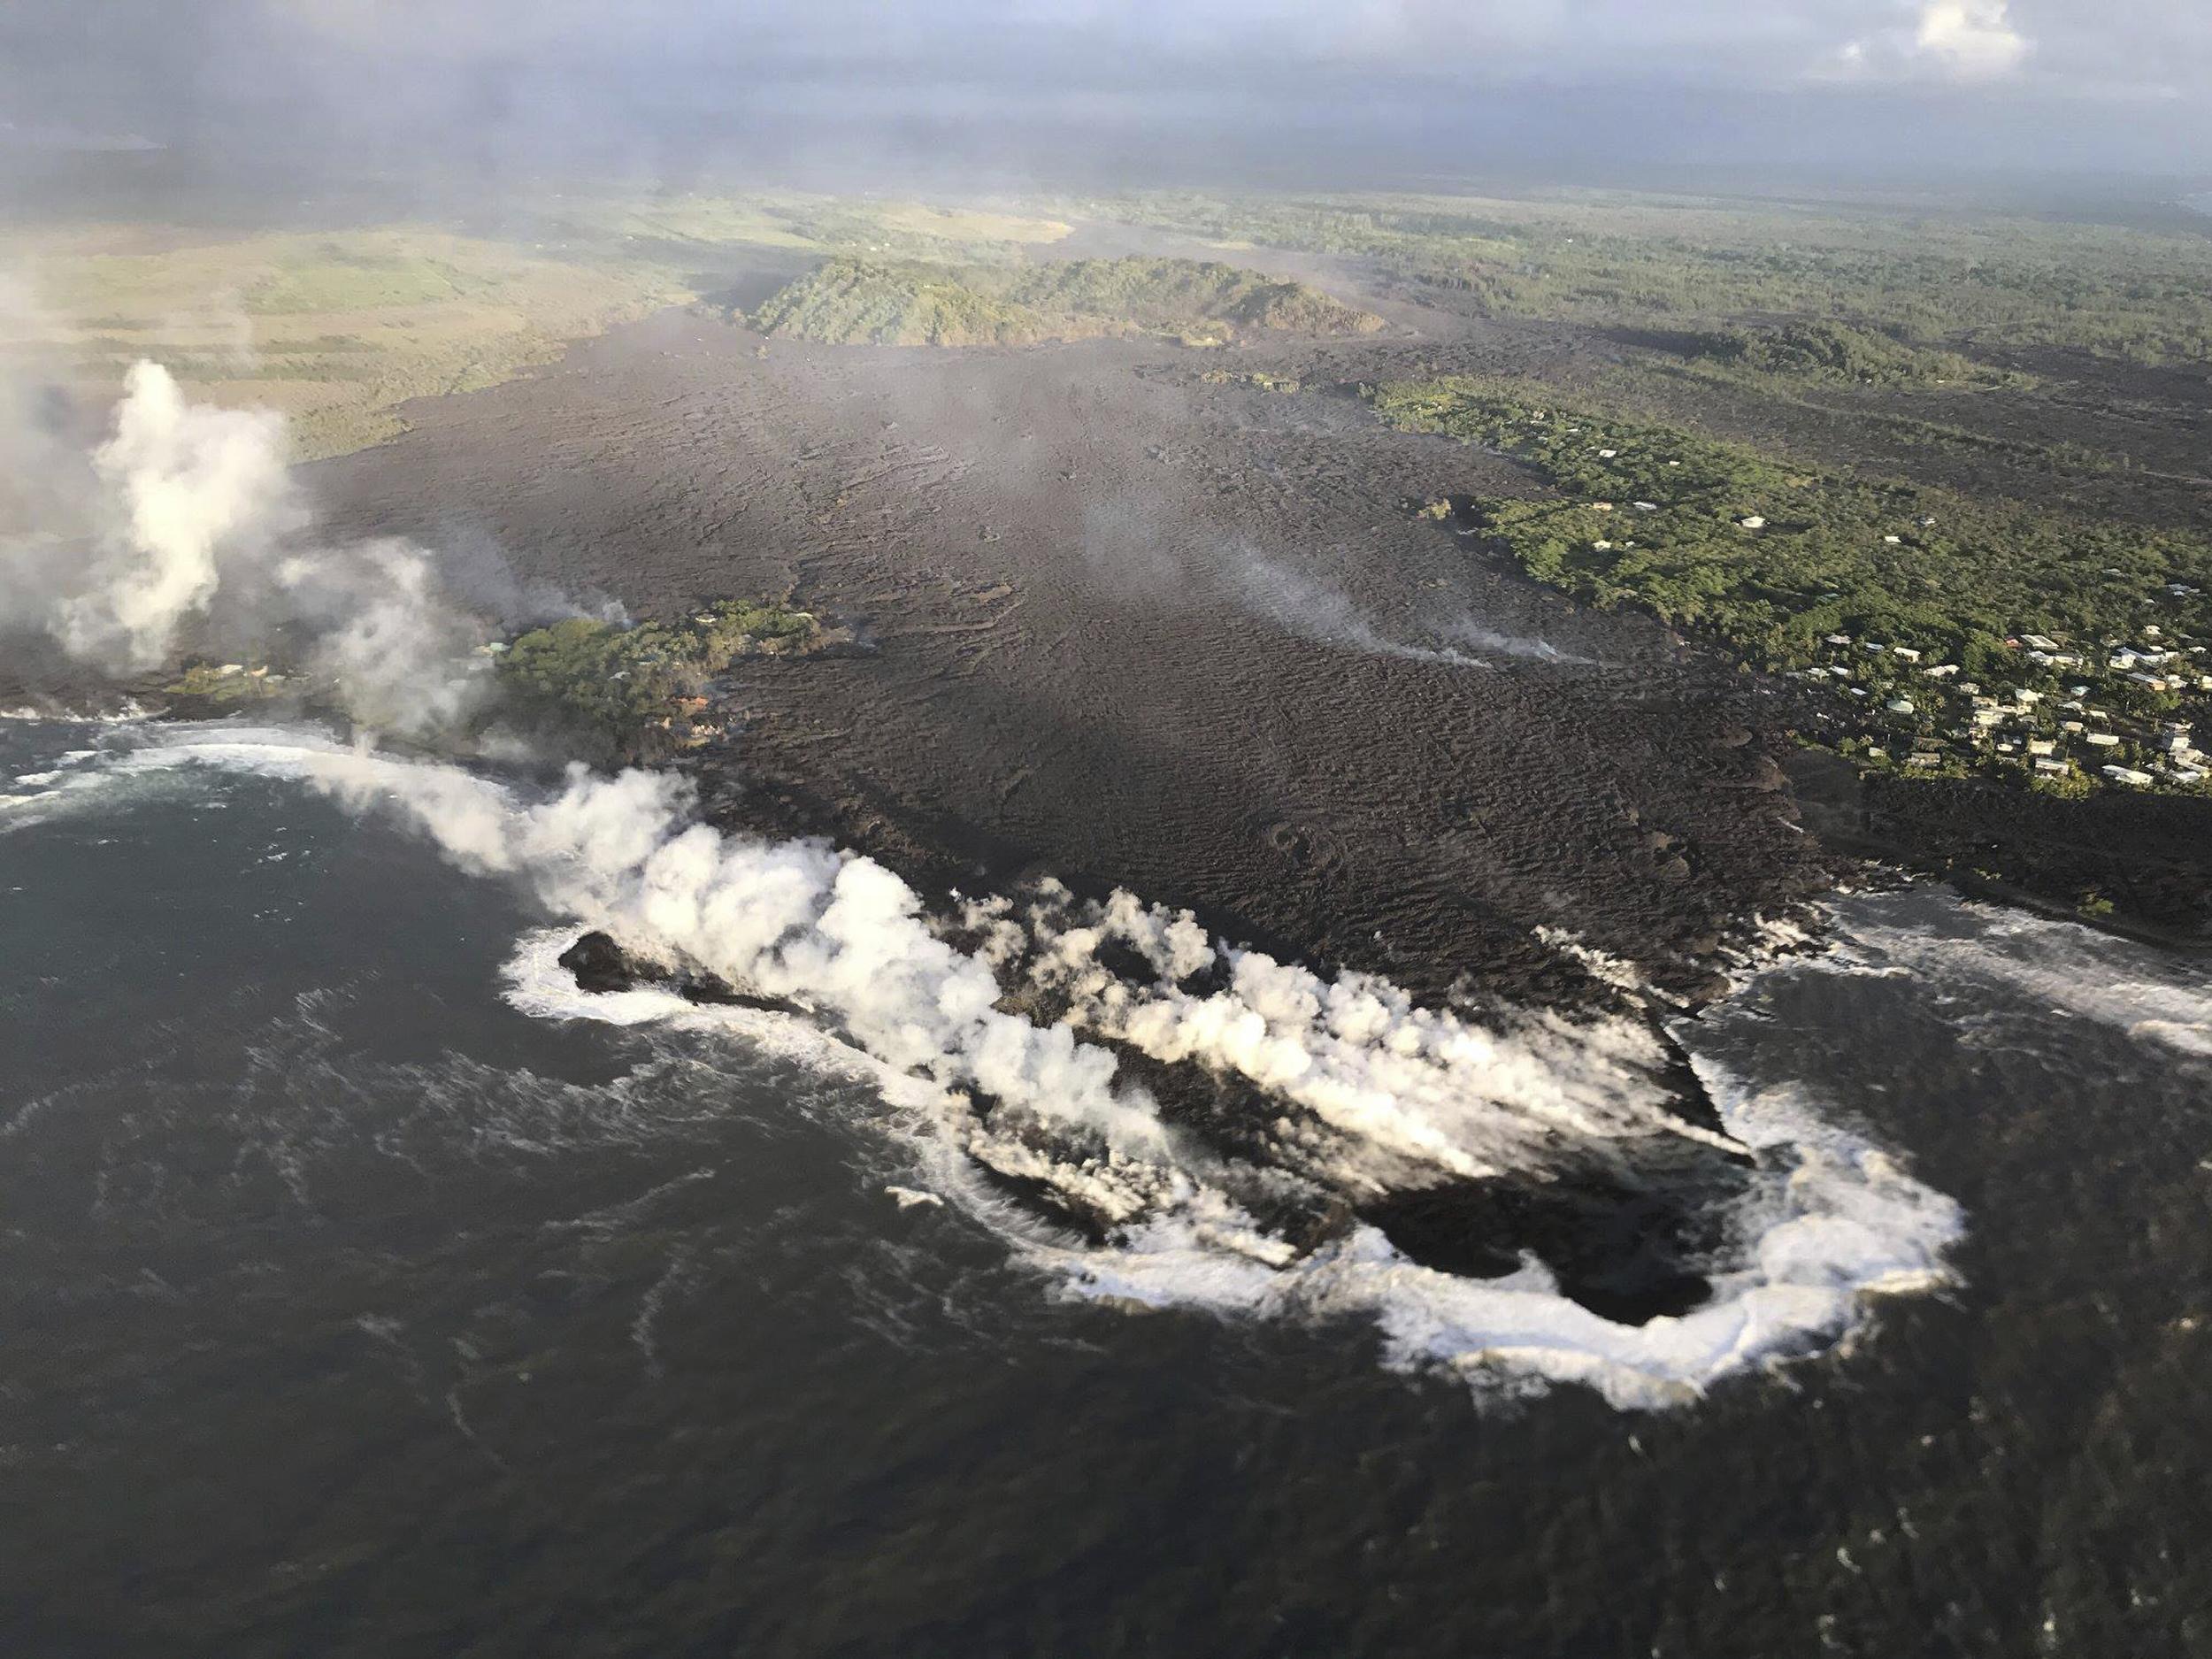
(1426, 88)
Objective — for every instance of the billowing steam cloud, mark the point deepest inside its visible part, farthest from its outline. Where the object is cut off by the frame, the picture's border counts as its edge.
(188, 512)
(189, 486)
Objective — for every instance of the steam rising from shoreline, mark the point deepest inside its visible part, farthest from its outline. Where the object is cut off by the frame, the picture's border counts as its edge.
(1397, 1095)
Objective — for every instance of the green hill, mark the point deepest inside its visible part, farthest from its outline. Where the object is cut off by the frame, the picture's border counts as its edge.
(855, 301)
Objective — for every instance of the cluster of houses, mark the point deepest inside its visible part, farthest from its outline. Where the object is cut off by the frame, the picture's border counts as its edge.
(2119, 712)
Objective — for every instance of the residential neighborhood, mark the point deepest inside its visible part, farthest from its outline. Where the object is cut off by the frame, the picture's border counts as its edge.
(2066, 714)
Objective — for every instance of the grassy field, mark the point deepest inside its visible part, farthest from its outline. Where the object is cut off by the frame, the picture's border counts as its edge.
(335, 330)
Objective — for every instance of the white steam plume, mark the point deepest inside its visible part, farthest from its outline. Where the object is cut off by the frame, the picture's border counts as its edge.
(189, 486)
(1413, 1094)
(839, 935)
(398, 652)
(1300, 605)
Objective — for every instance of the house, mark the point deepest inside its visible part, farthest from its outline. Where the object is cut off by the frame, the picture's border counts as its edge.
(2151, 682)
(1877, 649)
(2128, 775)
(1600, 506)
(1924, 757)
(2051, 768)
(2185, 774)
(1893, 541)
(2073, 727)
(1926, 521)
(2026, 698)
(2040, 642)
(1837, 639)
(1899, 705)
(1904, 653)
(1940, 671)
(1753, 522)
(1600, 547)
(2042, 746)
(1607, 455)
(1645, 506)
(2101, 740)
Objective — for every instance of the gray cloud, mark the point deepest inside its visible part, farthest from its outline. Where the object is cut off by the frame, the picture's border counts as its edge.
(1056, 86)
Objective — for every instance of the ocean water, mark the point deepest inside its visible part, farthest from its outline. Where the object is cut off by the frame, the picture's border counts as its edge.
(363, 1298)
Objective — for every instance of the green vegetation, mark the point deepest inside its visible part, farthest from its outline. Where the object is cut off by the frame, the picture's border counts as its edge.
(1289, 385)
(853, 301)
(1658, 523)
(1961, 277)
(633, 693)
(1821, 350)
(227, 684)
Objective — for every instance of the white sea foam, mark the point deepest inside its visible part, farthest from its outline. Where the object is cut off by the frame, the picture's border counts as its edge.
(2074, 969)
(1826, 1220)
